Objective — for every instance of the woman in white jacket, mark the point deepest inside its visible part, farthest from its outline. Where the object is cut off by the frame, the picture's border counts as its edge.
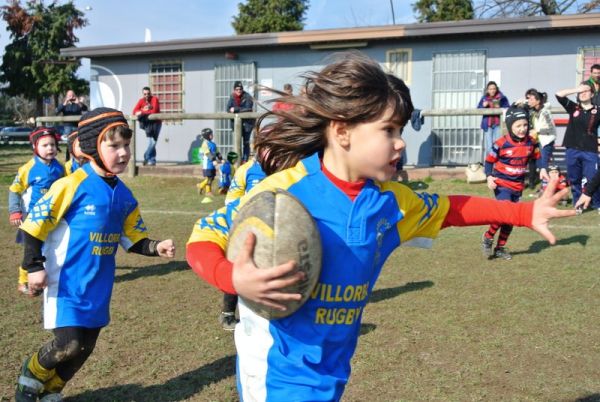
(542, 128)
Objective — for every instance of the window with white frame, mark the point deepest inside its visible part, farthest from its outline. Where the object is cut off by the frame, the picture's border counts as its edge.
(166, 82)
(588, 56)
(399, 63)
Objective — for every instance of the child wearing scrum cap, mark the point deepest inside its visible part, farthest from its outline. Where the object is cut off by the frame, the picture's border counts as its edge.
(210, 158)
(71, 239)
(74, 161)
(226, 172)
(505, 168)
(32, 181)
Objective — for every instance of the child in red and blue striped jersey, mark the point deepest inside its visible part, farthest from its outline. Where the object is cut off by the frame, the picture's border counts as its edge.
(505, 168)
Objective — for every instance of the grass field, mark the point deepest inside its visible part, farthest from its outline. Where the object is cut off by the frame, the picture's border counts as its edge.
(442, 325)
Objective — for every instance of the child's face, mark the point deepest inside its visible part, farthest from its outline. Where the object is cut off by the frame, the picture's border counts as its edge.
(115, 153)
(554, 174)
(46, 147)
(520, 128)
(375, 148)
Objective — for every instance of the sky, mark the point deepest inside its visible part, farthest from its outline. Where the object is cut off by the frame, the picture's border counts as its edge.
(125, 21)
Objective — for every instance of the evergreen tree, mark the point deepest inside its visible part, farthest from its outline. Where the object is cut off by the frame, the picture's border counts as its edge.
(261, 16)
(31, 65)
(443, 10)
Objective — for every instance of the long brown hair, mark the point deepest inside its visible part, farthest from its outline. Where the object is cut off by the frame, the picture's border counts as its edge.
(353, 89)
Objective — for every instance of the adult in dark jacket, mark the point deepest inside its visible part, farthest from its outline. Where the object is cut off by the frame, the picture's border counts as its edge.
(581, 139)
(241, 101)
(491, 99)
(71, 106)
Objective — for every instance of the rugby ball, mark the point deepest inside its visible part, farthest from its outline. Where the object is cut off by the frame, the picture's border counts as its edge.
(284, 231)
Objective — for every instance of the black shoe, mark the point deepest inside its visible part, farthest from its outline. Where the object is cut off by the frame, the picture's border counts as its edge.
(487, 247)
(228, 321)
(28, 385)
(502, 252)
(144, 163)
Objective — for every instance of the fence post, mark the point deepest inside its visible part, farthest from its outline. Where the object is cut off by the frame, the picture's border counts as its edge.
(237, 135)
(131, 168)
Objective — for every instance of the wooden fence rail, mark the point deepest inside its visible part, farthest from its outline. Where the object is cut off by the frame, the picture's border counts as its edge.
(238, 117)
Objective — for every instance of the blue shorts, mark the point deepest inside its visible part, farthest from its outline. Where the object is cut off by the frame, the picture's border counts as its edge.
(210, 173)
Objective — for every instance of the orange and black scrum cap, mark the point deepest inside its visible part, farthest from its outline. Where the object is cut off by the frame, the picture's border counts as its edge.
(92, 128)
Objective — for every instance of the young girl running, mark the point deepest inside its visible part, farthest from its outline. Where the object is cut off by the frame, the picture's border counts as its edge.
(336, 152)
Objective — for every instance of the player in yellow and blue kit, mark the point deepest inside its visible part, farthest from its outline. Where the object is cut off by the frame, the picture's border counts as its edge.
(337, 153)
(226, 172)
(246, 177)
(74, 161)
(210, 157)
(32, 181)
(71, 238)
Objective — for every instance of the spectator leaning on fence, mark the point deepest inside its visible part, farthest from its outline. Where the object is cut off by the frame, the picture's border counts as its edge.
(146, 106)
(241, 101)
(71, 106)
(594, 80)
(581, 138)
(491, 99)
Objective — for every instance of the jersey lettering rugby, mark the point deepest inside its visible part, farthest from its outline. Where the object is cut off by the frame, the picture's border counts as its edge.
(82, 220)
(306, 356)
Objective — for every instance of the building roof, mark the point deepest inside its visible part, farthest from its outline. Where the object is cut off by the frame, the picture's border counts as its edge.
(340, 37)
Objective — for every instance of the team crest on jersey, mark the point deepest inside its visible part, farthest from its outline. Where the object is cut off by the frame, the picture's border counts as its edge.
(89, 209)
(37, 179)
(139, 225)
(42, 211)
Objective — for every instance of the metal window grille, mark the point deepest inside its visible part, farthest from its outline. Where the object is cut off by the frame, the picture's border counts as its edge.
(166, 82)
(225, 76)
(588, 56)
(398, 62)
(458, 82)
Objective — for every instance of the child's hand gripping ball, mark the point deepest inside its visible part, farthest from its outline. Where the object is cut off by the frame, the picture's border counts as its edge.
(284, 231)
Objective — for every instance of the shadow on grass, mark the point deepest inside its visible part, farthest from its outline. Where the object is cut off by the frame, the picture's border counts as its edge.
(417, 185)
(384, 294)
(176, 389)
(540, 245)
(589, 398)
(151, 270)
(366, 327)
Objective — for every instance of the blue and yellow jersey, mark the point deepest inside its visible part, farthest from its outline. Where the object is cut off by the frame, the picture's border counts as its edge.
(33, 180)
(208, 151)
(246, 177)
(306, 356)
(81, 221)
(226, 172)
(71, 165)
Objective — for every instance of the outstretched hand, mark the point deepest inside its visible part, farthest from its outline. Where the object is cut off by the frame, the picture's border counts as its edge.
(264, 286)
(544, 209)
(166, 248)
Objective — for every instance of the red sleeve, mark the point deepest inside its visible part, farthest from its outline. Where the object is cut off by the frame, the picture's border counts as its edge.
(155, 105)
(138, 106)
(473, 211)
(208, 261)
